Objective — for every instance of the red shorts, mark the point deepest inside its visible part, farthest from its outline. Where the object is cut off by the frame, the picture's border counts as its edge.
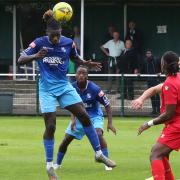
(170, 137)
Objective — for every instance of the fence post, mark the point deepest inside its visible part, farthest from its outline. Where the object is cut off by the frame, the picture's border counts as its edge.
(37, 94)
(122, 94)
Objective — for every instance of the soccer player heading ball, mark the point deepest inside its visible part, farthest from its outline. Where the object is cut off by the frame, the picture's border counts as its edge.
(52, 53)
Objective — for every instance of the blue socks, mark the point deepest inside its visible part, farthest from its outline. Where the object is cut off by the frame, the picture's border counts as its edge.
(93, 137)
(60, 157)
(105, 152)
(49, 149)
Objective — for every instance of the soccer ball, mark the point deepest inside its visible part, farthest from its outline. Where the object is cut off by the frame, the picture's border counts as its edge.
(62, 11)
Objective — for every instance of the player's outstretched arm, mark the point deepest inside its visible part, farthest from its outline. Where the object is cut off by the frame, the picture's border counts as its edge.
(24, 59)
(90, 64)
(109, 115)
(138, 103)
(164, 117)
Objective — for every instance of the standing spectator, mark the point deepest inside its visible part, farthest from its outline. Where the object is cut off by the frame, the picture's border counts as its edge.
(135, 36)
(127, 64)
(152, 66)
(112, 49)
(108, 36)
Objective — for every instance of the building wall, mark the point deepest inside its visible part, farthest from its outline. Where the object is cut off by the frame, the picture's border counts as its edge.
(5, 38)
(148, 17)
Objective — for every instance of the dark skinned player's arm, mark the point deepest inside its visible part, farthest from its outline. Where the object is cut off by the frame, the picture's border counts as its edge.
(109, 113)
(24, 59)
(170, 110)
(90, 64)
(166, 116)
(77, 59)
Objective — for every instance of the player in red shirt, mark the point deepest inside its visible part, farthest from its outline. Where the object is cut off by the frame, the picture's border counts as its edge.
(169, 139)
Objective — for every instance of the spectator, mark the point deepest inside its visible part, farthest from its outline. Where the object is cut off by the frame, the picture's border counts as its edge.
(112, 49)
(152, 66)
(135, 36)
(127, 64)
(108, 36)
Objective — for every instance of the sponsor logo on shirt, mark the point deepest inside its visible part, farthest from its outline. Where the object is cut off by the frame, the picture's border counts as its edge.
(53, 60)
(87, 105)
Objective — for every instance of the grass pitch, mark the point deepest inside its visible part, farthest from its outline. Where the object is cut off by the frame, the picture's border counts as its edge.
(22, 154)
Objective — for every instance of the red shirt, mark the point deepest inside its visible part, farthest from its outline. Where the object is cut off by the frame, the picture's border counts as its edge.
(170, 94)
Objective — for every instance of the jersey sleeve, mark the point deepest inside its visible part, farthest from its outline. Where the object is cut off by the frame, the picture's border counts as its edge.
(102, 98)
(73, 52)
(33, 48)
(170, 93)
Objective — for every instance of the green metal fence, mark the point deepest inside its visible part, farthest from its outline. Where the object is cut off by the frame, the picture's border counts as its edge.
(19, 95)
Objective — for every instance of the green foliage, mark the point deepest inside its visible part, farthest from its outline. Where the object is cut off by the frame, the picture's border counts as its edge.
(22, 154)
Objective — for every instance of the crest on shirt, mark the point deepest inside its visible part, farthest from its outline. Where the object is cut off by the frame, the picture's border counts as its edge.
(63, 49)
(101, 93)
(88, 95)
(32, 45)
(166, 88)
(162, 135)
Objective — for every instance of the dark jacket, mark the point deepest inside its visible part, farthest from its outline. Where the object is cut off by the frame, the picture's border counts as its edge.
(151, 66)
(136, 38)
(127, 62)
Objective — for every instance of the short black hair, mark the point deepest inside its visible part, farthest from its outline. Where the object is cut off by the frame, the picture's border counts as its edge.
(51, 23)
(171, 59)
(83, 67)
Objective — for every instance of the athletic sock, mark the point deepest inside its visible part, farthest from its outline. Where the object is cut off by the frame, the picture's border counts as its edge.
(93, 137)
(49, 149)
(49, 165)
(105, 152)
(168, 171)
(158, 171)
(60, 156)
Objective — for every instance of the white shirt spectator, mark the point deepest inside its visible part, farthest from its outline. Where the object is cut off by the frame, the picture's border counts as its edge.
(115, 48)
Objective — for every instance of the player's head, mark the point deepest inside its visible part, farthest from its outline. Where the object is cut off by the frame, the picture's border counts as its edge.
(81, 74)
(53, 28)
(169, 63)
